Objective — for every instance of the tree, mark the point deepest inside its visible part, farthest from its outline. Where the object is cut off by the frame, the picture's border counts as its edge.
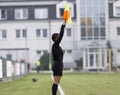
(79, 63)
(45, 60)
(109, 47)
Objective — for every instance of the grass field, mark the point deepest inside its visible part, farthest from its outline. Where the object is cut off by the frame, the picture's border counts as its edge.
(91, 84)
(71, 83)
(25, 86)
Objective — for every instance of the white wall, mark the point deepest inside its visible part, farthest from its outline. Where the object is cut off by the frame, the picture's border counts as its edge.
(17, 69)
(118, 59)
(9, 68)
(115, 40)
(113, 29)
(34, 43)
(22, 68)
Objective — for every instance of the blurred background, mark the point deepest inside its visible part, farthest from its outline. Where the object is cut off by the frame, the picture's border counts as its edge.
(90, 43)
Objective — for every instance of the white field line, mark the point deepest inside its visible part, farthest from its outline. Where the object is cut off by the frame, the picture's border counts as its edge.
(59, 88)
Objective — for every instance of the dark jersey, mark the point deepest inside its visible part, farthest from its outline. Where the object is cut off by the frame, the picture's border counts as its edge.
(56, 49)
(58, 54)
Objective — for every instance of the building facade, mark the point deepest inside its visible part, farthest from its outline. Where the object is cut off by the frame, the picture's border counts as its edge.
(114, 29)
(92, 26)
(26, 27)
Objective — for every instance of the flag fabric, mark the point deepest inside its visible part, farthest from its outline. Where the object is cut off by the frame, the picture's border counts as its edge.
(66, 16)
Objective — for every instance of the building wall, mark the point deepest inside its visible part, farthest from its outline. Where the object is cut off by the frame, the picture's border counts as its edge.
(89, 16)
(114, 37)
(31, 44)
(25, 48)
(113, 29)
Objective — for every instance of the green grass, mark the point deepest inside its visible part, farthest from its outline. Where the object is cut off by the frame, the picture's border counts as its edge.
(25, 86)
(71, 83)
(91, 84)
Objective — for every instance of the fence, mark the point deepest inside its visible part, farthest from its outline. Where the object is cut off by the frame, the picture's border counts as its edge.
(10, 70)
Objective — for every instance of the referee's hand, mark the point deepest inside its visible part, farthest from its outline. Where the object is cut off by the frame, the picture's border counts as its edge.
(64, 23)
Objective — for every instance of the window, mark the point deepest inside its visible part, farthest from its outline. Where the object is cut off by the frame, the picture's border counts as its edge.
(4, 34)
(21, 33)
(83, 33)
(44, 32)
(41, 13)
(38, 33)
(9, 57)
(92, 20)
(118, 11)
(61, 11)
(17, 33)
(69, 51)
(89, 31)
(91, 57)
(41, 33)
(93, 49)
(96, 33)
(102, 32)
(21, 13)
(68, 32)
(38, 51)
(24, 33)
(3, 14)
(44, 51)
(118, 31)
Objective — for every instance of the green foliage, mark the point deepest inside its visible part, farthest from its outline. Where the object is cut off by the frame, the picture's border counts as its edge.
(45, 60)
(109, 46)
(79, 63)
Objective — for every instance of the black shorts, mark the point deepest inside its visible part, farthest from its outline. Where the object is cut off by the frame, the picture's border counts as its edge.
(57, 69)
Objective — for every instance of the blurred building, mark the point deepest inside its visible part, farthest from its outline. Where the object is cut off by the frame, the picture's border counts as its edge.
(26, 27)
(114, 30)
(92, 35)
(97, 23)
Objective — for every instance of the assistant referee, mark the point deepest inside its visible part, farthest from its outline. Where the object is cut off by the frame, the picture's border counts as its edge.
(57, 54)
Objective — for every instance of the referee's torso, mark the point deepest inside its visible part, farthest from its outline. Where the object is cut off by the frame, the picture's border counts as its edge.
(57, 66)
(57, 53)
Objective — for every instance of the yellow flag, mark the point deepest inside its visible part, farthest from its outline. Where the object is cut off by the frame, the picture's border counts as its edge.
(66, 16)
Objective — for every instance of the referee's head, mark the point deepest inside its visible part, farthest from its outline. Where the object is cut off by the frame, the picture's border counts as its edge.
(55, 36)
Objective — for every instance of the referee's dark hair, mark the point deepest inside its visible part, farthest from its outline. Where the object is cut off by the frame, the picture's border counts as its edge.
(55, 36)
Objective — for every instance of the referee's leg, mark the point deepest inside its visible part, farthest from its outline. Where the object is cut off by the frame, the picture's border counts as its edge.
(55, 84)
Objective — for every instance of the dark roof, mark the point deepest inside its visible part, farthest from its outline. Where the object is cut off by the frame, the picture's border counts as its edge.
(30, 0)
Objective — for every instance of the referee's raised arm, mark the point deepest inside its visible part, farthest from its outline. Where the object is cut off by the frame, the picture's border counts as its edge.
(61, 32)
